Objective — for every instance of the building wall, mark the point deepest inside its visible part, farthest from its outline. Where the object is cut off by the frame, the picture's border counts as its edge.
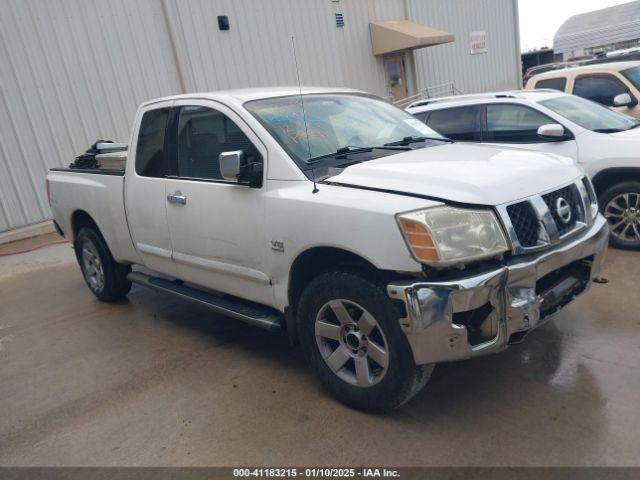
(498, 69)
(605, 29)
(257, 50)
(73, 71)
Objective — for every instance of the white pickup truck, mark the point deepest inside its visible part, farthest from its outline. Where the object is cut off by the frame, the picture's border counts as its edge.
(376, 244)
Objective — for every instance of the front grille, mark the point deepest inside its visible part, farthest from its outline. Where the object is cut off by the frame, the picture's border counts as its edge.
(572, 196)
(525, 223)
(543, 220)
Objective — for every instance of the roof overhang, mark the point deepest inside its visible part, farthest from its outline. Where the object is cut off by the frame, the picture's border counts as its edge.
(399, 35)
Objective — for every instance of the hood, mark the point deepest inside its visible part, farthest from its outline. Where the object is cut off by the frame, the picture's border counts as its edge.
(632, 134)
(465, 173)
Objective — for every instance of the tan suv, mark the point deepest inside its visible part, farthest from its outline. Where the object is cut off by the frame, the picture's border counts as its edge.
(615, 85)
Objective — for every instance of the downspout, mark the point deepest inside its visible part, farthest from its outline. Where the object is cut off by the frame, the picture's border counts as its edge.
(412, 53)
(406, 9)
(172, 42)
(516, 23)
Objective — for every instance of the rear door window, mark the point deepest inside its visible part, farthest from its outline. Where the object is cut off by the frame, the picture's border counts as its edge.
(558, 83)
(458, 123)
(601, 88)
(510, 123)
(151, 159)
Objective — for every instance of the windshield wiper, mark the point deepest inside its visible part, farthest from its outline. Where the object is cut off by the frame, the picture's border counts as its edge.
(410, 140)
(350, 149)
(608, 130)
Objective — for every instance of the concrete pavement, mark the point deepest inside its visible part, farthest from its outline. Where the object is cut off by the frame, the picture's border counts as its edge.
(156, 381)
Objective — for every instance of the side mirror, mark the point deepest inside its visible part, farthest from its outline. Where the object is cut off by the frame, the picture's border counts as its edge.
(623, 100)
(230, 164)
(551, 130)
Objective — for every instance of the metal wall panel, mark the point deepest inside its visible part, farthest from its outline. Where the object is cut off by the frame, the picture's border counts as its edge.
(71, 71)
(257, 49)
(608, 26)
(498, 69)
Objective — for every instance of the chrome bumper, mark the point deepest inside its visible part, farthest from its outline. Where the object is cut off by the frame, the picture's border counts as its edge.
(508, 292)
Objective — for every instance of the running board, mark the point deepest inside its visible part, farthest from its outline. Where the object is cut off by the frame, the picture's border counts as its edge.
(244, 310)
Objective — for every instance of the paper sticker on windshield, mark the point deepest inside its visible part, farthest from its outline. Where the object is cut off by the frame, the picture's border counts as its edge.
(418, 125)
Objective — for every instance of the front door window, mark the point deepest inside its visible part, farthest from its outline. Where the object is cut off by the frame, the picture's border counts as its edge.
(508, 123)
(600, 88)
(203, 134)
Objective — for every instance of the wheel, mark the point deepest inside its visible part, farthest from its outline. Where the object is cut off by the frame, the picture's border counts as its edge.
(105, 277)
(351, 336)
(620, 205)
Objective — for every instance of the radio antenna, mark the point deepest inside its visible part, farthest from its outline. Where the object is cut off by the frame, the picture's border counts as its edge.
(304, 115)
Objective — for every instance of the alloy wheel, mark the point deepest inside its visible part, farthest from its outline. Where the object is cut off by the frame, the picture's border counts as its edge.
(623, 214)
(92, 266)
(352, 343)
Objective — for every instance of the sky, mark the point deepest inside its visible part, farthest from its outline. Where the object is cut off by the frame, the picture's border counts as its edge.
(540, 19)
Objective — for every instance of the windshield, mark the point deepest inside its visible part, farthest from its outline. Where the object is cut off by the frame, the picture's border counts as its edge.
(335, 122)
(590, 115)
(633, 75)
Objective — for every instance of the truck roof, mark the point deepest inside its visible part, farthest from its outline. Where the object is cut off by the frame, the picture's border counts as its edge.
(242, 95)
(596, 67)
(531, 95)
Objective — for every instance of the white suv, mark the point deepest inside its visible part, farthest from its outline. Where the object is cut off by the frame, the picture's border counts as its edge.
(604, 142)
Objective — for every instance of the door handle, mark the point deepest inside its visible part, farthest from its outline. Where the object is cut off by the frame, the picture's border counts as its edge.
(177, 198)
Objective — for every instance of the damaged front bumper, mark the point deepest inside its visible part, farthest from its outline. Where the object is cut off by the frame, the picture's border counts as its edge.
(484, 313)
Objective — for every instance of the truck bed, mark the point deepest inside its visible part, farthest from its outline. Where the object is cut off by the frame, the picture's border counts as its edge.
(99, 193)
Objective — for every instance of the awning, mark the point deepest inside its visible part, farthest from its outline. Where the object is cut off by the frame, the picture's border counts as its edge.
(398, 35)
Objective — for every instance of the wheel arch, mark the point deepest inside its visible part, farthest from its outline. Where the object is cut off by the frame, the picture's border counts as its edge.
(313, 262)
(611, 176)
(316, 260)
(81, 219)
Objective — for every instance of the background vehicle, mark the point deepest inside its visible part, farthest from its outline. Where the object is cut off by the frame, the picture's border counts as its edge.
(622, 55)
(546, 67)
(341, 219)
(615, 85)
(604, 142)
(538, 69)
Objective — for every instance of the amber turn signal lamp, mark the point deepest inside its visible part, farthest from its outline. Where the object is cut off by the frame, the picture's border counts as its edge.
(419, 240)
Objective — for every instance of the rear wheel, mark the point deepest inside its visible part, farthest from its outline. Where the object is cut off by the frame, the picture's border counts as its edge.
(351, 336)
(620, 205)
(105, 277)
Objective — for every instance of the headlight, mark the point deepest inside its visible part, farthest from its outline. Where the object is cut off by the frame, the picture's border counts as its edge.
(443, 236)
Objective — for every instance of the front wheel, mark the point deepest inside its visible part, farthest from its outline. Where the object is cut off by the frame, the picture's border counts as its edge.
(351, 336)
(620, 205)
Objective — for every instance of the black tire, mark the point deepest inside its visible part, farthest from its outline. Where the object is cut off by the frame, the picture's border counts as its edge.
(114, 284)
(617, 240)
(403, 378)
